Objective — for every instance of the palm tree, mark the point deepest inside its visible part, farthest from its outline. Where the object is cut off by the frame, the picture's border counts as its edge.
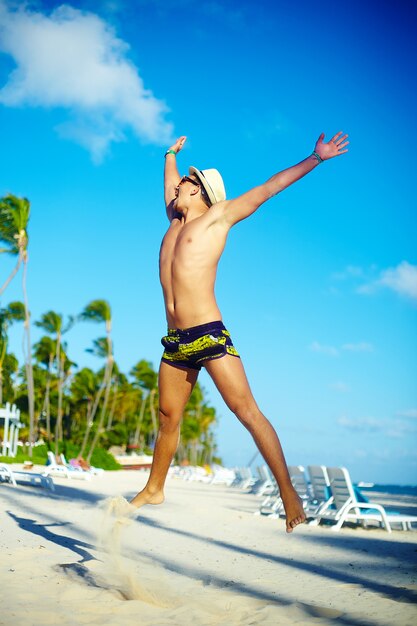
(53, 324)
(197, 441)
(146, 379)
(83, 391)
(44, 352)
(14, 219)
(15, 311)
(117, 380)
(100, 311)
(10, 369)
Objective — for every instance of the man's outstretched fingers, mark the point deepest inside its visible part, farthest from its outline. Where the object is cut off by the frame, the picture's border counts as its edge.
(336, 137)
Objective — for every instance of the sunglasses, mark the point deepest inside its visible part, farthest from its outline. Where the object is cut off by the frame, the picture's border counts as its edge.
(187, 179)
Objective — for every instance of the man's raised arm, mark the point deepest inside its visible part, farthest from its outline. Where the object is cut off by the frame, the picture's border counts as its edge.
(246, 204)
(171, 175)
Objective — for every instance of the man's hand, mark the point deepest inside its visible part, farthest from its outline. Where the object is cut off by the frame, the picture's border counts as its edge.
(178, 145)
(332, 148)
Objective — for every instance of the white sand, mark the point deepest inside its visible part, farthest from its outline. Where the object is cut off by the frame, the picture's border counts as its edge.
(202, 558)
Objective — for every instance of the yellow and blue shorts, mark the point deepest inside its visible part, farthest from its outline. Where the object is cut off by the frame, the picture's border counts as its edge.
(191, 347)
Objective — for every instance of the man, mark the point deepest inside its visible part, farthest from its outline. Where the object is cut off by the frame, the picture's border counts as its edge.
(200, 219)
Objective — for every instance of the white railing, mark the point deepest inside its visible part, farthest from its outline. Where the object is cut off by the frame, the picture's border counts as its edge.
(12, 424)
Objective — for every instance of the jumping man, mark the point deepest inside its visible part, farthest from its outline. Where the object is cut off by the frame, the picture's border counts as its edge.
(200, 219)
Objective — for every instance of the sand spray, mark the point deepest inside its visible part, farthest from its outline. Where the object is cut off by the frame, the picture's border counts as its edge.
(187, 602)
(118, 571)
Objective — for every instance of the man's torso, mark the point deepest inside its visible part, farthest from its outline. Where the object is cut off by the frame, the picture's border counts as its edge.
(188, 261)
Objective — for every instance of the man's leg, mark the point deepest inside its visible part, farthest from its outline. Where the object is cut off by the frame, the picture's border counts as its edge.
(230, 379)
(175, 386)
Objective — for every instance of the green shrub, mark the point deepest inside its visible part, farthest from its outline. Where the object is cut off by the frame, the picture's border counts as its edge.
(39, 455)
(101, 458)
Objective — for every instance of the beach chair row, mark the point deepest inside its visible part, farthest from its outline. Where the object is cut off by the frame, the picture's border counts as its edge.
(215, 474)
(58, 467)
(329, 495)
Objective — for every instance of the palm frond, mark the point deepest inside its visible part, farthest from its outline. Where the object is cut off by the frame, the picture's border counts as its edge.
(14, 219)
(97, 311)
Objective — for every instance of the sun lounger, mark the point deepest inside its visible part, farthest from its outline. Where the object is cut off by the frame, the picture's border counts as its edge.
(31, 478)
(266, 484)
(244, 478)
(273, 505)
(351, 506)
(81, 464)
(6, 475)
(222, 476)
(59, 469)
(320, 493)
(299, 481)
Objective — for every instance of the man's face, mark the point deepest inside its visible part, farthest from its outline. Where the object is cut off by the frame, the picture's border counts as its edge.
(183, 189)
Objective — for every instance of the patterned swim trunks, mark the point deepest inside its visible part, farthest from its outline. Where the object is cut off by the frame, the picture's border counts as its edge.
(193, 346)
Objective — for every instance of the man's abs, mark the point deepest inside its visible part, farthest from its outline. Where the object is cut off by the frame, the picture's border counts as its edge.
(188, 264)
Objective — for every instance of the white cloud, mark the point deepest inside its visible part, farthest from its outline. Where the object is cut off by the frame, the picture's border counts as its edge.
(412, 413)
(392, 428)
(329, 350)
(351, 271)
(401, 279)
(363, 346)
(340, 386)
(73, 60)
(364, 424)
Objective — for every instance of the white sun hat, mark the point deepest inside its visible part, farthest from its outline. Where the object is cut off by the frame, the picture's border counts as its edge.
(212, 182)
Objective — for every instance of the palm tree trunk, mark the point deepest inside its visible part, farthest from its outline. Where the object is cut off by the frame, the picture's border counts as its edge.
(113, 406)
(153, 414)
(58, 428)
(107, 376)
(12, 274)
(47, 403)
(91, 419)
(140, 420)
(2, 357)
(58, 425)
(87, 427)
(28, 359)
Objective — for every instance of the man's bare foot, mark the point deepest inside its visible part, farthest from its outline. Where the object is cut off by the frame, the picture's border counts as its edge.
(294, 511)
(147, 497)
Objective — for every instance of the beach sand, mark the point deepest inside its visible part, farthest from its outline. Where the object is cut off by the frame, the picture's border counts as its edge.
(201, 559)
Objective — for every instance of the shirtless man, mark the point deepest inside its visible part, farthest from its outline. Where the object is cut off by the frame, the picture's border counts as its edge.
(200, 219)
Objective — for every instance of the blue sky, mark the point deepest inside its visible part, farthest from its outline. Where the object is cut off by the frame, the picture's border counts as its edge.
(319, 288)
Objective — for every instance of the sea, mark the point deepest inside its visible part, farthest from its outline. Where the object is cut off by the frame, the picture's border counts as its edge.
(401, 498)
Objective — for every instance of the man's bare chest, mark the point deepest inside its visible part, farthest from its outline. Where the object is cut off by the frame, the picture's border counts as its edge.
(180, 240)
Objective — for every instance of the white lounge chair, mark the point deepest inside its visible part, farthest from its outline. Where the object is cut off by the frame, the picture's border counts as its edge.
(320, 493)
(299, 481)
(96, 471)
(6, 474)
(59, 469)
(31, 478)
(222, 476)
(275, 507)
(348, 507)
(244, 478)
(272, 505)
(267, 484)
